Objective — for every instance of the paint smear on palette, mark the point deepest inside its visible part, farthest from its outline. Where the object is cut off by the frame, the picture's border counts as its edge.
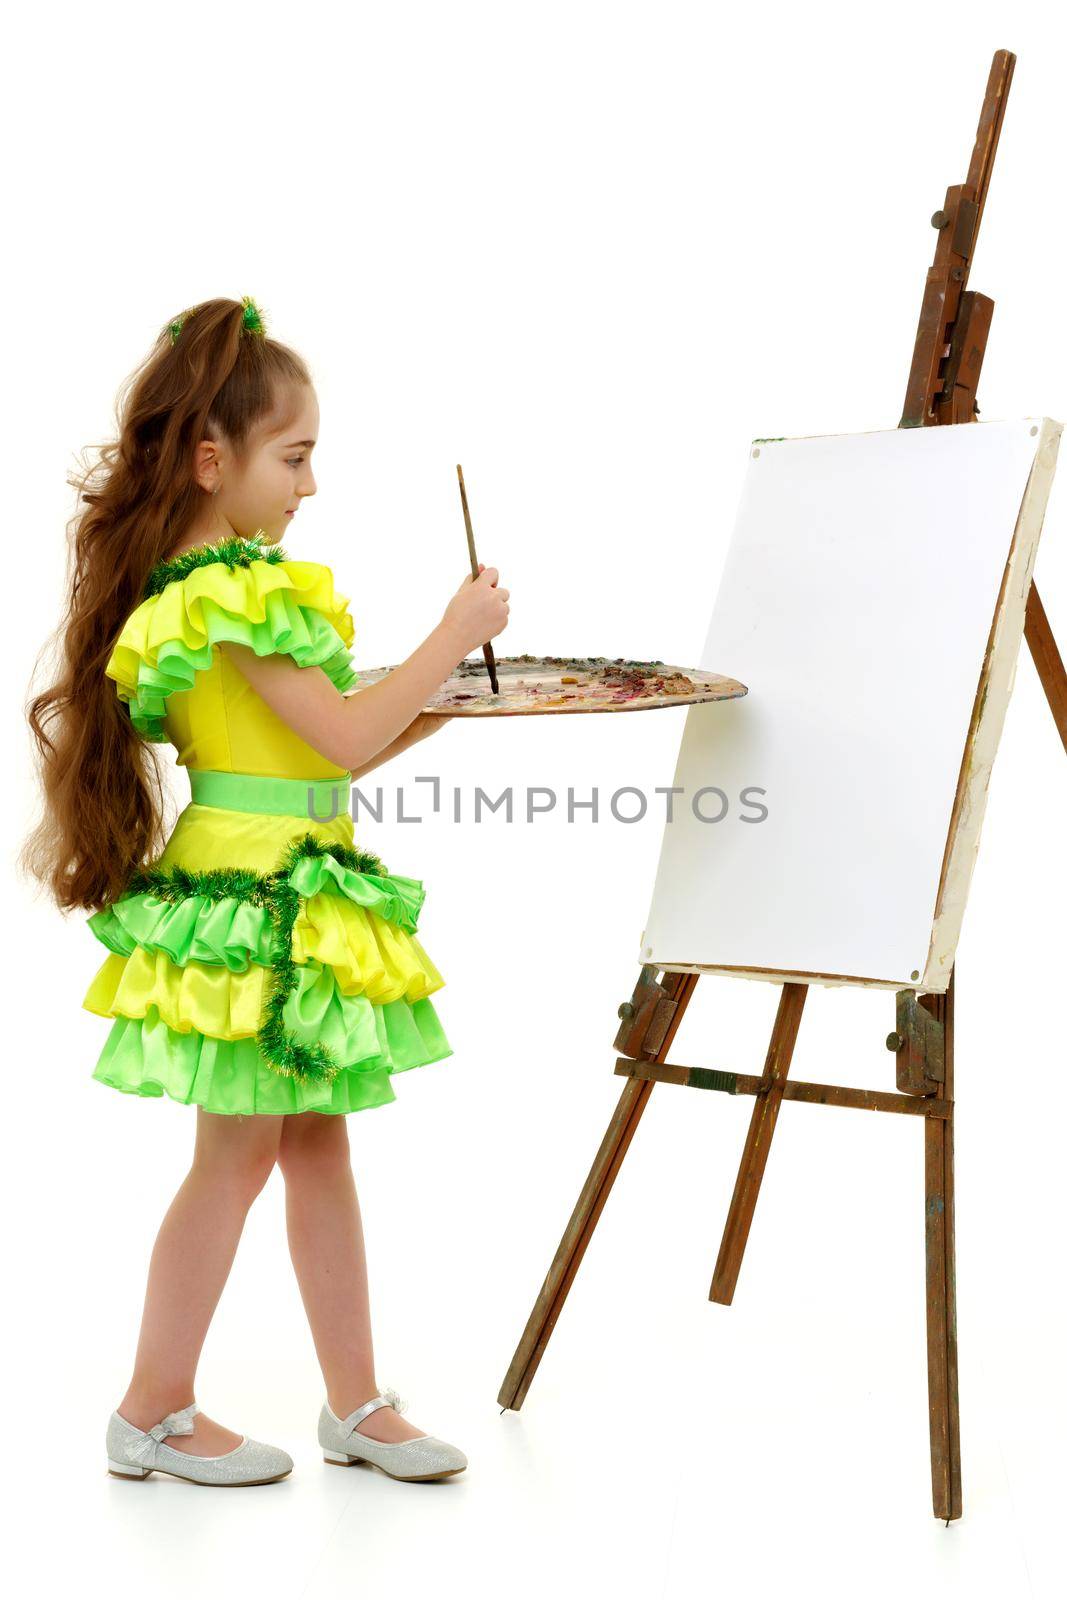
(531, 685)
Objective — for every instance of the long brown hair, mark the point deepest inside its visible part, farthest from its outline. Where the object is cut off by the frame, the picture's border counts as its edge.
(209, 375)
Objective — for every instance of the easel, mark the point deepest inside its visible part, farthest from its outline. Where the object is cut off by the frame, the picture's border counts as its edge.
(949, 348)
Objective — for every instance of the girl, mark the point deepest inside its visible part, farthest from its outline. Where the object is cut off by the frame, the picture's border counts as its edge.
(262, 966)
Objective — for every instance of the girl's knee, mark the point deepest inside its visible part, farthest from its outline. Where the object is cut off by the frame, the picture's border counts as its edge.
(313, 1143)
(242, 1178)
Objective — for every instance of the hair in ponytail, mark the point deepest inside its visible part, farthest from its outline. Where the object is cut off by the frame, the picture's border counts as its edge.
(212, 374)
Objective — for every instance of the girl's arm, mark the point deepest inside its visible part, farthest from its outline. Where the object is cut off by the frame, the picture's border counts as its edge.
(354, 731)
(351, 731)
(416, 731)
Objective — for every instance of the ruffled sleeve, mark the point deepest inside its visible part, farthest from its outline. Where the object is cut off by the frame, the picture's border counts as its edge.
(276, 607)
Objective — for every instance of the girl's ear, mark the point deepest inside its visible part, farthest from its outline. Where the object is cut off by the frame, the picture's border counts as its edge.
(207, 466)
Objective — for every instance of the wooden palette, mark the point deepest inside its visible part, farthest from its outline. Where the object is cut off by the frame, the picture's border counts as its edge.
(538, 685)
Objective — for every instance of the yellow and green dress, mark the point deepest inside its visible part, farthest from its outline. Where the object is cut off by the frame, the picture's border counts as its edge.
(263, 963)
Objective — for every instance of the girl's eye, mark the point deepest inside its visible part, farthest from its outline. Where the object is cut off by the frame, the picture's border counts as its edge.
(295, 461)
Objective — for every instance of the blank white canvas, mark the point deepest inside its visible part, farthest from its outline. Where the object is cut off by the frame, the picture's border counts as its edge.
(856, 604)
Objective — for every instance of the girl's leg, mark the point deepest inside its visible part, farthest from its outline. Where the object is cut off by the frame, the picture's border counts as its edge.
(194, 1250)
(326, 1243)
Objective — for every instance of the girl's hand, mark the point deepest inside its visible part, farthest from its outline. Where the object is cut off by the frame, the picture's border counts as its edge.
(478, 610)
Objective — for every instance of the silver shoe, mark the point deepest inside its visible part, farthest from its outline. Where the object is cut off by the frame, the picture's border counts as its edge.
(413, 1460)
(133, 1454)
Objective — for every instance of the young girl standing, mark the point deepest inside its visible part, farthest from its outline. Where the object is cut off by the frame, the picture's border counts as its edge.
(262, 966)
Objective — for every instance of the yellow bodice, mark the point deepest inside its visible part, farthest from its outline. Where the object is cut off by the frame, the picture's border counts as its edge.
(223, 725)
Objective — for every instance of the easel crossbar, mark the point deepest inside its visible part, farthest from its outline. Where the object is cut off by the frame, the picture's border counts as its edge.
(820, 1094)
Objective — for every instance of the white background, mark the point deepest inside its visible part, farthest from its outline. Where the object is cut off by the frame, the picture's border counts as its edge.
(590, 251)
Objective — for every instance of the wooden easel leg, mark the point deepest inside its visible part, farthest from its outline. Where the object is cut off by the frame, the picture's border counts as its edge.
(1047, 660)
(758, 1143)
(586, 1214)
(941, 1287)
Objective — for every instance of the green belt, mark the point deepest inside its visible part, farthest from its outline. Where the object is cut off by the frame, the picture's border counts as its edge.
(317, 799)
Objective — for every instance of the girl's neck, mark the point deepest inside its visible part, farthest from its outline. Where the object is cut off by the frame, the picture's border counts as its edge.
(197, 541)
(198, 537)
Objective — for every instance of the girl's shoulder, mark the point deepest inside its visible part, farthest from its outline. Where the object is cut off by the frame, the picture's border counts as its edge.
(239, 590)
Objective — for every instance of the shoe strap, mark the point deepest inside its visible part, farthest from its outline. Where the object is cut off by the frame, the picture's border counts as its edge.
(176, 1422)
(388, 1397)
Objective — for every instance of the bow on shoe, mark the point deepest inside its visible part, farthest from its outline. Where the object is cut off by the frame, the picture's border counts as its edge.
(394, 1399)
(146, 1446)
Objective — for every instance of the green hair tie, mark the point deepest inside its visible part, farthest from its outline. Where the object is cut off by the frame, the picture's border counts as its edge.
(253, 317)
(252, 320)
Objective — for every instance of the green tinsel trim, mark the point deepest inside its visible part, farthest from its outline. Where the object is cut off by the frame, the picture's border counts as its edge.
(174, 328)
(233, 551)
(355, 860)
(221, 883)
(283, 1052)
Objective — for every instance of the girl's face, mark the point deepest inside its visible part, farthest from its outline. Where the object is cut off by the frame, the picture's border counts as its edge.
(265, 492)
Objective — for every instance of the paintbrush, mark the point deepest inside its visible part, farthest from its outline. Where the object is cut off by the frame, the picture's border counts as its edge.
(487, 648)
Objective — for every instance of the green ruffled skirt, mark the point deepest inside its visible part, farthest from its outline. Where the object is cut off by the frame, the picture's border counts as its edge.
(264, 965)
